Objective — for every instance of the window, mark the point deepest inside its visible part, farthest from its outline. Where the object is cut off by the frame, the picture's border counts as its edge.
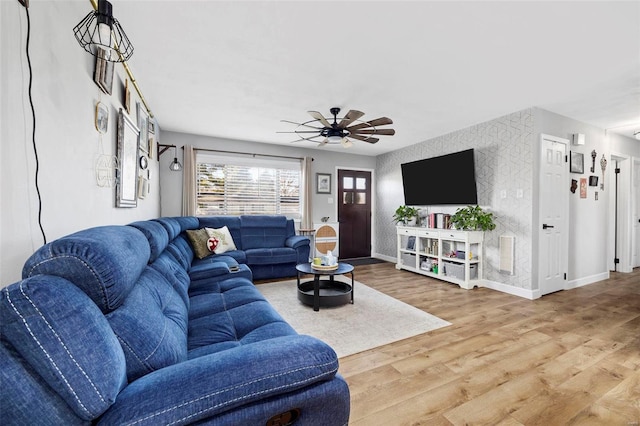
(235, 185)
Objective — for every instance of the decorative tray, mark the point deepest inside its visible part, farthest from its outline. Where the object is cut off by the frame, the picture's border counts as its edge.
(324, 267)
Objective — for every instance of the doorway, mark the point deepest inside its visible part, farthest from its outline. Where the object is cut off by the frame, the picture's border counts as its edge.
(636, 212)
(619, 182)
(354, 213)
(554, 215)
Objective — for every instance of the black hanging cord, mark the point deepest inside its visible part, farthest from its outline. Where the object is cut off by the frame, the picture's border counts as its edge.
(33, 136)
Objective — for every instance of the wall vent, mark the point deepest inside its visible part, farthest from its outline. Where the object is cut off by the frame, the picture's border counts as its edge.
(507, 254)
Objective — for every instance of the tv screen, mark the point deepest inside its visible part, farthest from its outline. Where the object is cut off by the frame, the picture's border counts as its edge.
(448, 179)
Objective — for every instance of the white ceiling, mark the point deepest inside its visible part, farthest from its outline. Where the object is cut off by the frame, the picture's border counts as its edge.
(234, 69)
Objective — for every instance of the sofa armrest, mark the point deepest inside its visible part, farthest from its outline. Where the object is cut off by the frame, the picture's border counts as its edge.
(296, 241)
(212, 384)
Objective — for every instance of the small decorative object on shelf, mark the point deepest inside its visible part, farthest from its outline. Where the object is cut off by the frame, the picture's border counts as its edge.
(473, 218)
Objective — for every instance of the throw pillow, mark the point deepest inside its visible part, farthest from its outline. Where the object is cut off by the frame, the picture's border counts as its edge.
(199, 241)
(212, 243)
(225, 241)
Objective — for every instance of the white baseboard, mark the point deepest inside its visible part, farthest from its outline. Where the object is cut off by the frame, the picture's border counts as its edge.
(517, 291)
(391, 259)
(509, 289)
(580, 282)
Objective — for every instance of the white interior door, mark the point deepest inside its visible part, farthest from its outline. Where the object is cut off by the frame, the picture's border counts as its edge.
(554, 211)
(635, 185)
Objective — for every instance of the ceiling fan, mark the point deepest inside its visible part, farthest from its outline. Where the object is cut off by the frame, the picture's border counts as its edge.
(339, 132)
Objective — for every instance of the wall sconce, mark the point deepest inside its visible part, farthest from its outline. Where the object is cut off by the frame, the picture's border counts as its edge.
(99, 30)
(175, 165)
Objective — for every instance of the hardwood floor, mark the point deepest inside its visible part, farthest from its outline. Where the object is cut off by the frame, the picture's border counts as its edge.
(572, 357)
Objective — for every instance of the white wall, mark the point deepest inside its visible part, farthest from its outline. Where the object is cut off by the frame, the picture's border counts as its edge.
(503, 150)
(64, 96)
(589, 219)
(324, 162)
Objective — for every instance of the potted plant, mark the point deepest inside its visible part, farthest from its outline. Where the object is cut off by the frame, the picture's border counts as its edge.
(473, 218)
(405, 215)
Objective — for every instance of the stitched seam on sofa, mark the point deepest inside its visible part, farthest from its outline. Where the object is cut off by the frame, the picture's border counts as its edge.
(226, 311)
(64, 379)
(105, 300)
(135, 355)
(175, 407)
(164, 333)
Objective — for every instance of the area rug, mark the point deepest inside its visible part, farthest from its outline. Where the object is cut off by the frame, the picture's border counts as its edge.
(375, 319)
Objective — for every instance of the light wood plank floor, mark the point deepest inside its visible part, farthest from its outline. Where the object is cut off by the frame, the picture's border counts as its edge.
(572, 357)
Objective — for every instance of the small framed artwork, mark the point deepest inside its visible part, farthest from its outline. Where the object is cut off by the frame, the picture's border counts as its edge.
(583, 187)
(323, 183)
(103, 75)
(143, 121)
(127, 97)
(102, 118)
(593, 180)
(577, 162)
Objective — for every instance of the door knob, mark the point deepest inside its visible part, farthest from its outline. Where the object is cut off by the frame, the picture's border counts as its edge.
(545, 226)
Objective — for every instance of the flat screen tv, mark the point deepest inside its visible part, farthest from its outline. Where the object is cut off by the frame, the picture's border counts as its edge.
(447, 179)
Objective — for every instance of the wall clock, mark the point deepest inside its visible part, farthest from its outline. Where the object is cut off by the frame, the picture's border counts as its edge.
(144, 162)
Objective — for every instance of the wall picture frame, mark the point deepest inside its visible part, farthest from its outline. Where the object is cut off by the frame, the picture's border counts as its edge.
(101, 118)
(576, 163)
(103, 75)
(127, 171)
(323, 183)
(143, 126)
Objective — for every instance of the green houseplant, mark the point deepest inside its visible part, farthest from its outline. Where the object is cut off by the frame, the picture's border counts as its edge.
(473, 218)
(405, 214)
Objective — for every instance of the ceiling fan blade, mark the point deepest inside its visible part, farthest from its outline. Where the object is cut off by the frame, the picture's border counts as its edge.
(351, 115)
(373, 123)
(364, 138)
(387, 132)
(300, 124)
(303, 131)
(318, 116)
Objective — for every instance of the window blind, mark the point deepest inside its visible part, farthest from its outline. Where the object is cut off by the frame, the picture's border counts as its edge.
(235, 185)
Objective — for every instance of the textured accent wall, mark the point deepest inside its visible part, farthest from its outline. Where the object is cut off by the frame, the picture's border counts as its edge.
(504, 165)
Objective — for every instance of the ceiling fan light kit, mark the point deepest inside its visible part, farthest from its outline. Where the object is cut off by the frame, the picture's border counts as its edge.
(323, 132)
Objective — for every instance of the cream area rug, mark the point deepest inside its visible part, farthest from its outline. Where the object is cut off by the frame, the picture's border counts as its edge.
(374, 319)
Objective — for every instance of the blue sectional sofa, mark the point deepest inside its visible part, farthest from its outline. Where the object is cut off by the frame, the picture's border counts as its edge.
(123, 325)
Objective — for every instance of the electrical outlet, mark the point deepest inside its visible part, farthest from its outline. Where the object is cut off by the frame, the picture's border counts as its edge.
(25, 3)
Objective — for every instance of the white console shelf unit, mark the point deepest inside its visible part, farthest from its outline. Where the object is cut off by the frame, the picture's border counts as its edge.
(420, 248)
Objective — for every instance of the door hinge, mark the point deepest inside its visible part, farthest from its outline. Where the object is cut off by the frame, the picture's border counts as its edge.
(616, 261)
(566, 158)
(565, 276)
(617, 170)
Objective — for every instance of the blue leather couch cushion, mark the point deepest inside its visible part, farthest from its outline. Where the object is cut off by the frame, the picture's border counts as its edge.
(169, 267)
(171, 225)
(271, 256)
(151, 325)
(182, 251)
(104, 262)
(156, 234)
(46, 318)
(263, 232)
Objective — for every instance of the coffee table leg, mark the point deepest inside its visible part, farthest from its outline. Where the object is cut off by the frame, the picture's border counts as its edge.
(316, 292)
(353, 287)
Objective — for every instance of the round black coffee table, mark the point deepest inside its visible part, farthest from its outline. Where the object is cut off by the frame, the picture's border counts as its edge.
(324, 292)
